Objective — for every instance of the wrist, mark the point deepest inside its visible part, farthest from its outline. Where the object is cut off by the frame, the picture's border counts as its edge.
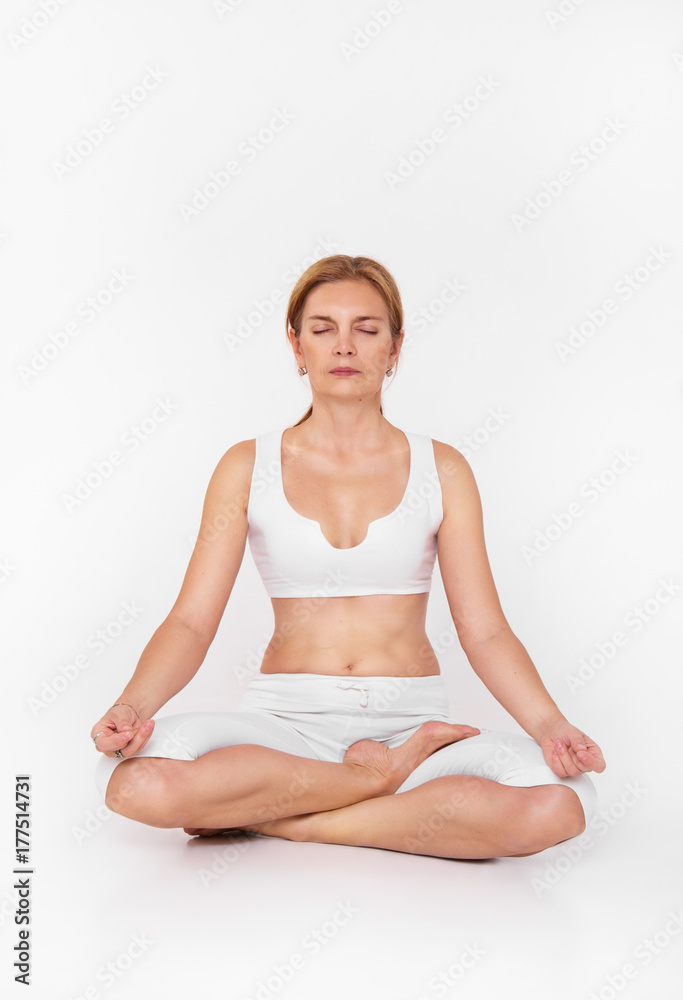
(546, 724)
(136, 706)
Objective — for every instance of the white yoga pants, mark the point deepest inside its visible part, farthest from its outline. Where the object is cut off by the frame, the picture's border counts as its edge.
(319, 716)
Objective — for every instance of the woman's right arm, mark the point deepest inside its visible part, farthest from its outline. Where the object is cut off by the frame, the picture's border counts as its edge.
(177, 649)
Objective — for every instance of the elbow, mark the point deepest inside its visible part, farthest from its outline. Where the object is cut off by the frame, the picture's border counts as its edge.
(471, 638)
(205, 635)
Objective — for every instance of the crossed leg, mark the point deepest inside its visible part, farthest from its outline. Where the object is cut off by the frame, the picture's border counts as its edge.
(454, 816)
(490, 795)
(366, 800)
(232, 786)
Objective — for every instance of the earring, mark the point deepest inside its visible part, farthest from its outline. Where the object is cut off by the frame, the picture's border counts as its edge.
(303, 371)
(390, 371)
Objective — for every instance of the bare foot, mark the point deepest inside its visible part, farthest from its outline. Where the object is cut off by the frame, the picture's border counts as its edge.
(392, 766)
(288, 827)
(204, 831)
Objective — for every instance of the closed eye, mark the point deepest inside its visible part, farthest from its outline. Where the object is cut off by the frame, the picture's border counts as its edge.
(327, 329)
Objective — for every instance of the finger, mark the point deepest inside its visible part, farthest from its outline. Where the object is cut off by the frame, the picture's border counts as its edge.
(101, 729)
(148, 727)
(575, 764)
(548, 748)
(107, 743)
(587, 755)
(593, 759)
(556, 765)
(139, 739)
(561, 759)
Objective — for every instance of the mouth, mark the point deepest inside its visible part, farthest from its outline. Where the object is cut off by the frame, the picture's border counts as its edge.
(344, 371)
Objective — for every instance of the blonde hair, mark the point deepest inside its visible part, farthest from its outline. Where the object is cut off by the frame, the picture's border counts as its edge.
(341, 267)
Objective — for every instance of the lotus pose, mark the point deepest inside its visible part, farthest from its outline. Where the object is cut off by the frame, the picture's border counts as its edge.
(345, 735)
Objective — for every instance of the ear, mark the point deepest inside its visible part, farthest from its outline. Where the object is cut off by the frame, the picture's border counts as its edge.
(396, 344)
(294, 341)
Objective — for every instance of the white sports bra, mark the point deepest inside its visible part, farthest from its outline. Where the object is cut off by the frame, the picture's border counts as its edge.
(295, 559)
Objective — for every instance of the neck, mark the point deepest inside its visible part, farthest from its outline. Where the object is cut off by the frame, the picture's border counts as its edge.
(345, 425)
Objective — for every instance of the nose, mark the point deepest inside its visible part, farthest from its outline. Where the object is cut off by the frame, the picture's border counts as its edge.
(344, 344)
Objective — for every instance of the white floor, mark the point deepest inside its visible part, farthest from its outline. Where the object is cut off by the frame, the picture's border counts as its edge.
(271, 918)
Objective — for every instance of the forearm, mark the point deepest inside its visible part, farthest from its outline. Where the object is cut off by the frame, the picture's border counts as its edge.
(505, 667)
(169, 661)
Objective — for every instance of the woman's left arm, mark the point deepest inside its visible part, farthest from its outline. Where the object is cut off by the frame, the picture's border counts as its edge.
(496, 654)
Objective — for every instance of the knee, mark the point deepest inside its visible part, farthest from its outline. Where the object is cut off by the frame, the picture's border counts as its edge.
(554, 813)
(142, 788)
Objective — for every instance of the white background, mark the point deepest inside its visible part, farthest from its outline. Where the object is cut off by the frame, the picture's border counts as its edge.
(533, 265)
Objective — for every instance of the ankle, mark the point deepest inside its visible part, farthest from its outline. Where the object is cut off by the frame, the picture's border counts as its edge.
(370, 779)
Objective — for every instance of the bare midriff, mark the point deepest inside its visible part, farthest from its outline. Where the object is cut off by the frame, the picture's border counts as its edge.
(379, 634)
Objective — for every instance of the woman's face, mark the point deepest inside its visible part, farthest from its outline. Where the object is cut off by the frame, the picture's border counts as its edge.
(345, 325)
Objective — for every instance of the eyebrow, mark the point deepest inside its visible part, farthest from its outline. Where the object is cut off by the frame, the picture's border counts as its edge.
(379, 319)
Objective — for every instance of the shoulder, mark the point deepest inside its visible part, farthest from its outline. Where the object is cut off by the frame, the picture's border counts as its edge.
(239, 457)
(455, 474)
(449, 461)
(232, 475)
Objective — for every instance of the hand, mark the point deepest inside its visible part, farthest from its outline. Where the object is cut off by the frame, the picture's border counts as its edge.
(569, 752)
(122, 729)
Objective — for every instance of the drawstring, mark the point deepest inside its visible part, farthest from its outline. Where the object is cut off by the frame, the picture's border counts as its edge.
(363, 688)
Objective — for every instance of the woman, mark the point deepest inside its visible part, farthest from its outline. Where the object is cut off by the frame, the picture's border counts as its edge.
(344, 735)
